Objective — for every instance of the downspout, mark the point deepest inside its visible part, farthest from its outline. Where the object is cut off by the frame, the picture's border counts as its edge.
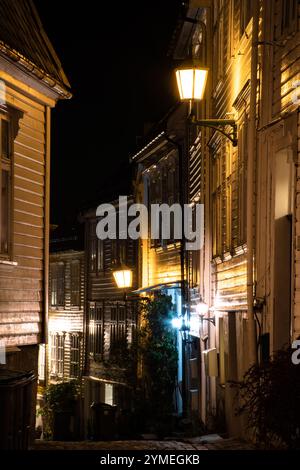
(252, 150)
(184, 299)
(46, 239)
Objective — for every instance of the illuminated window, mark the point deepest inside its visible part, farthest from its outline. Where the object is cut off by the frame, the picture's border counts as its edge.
(5, 177)
(57, 284)
(42, 362)
(57, 354)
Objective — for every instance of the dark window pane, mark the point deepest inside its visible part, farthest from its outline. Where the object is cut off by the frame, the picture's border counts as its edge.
(4, 211)
(5, 138)
(75, 283)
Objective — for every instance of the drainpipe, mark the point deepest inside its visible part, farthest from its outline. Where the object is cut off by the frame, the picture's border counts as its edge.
(46, 241)
(252, 149)
(184, 298)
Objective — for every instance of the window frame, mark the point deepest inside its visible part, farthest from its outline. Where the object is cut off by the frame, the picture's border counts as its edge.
(59, 286)
(75, 283)
(6, 165)
(75, 355)
(57, 354)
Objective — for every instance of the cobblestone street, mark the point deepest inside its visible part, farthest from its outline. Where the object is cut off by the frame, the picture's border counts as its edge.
(188, 444)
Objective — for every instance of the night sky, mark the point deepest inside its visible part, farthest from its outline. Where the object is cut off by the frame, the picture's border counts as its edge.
(116, 60)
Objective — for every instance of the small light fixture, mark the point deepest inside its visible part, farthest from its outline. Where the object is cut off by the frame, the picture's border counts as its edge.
(202, 308)
(123, 277)
(191, 81)
(177, 323)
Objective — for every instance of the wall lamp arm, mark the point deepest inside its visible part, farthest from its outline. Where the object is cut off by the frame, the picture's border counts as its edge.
(219, 126)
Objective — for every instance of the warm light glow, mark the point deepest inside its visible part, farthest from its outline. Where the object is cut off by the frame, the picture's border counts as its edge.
(202, 309)
(123, 278)
(191, 82)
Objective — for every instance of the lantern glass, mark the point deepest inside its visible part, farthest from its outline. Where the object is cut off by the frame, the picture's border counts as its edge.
(202, 309)
(123, 278)
(191, 82)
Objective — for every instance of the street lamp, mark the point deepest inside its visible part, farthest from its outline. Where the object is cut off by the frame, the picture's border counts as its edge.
(123, 277)
(191, 82)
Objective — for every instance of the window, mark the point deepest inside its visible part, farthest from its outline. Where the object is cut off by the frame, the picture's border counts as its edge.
(242, 181)
(5, 178)
(96, 330)
(245, 14)
(96, 250)
(57, 284)
(221, 199)
(118, 337)
(100, 255)
(42, 362)
(288, 16)
(92, 247)
(57, 354)
(122, 251)
(113, 313)
(75, 348)
(75, 283)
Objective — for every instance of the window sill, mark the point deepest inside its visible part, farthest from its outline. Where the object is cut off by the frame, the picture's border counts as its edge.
(8, 262)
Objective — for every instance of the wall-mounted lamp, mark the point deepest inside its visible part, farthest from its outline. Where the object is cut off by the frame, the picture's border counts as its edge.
(191, 82)
(123, 277)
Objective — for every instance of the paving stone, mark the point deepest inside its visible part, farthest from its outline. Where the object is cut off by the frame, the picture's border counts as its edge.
(193, 444)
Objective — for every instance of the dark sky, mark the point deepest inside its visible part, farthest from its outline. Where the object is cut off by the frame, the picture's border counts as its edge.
(115, 57)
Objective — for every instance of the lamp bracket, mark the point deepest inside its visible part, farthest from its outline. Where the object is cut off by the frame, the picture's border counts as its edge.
(218, 125)
(211, 320)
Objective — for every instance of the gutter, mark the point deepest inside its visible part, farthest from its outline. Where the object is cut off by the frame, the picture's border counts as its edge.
(29, 67)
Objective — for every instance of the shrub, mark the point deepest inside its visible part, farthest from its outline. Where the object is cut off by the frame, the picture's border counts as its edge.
(270, 396)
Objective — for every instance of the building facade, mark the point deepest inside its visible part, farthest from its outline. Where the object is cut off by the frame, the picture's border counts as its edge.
(110, 318)
(246, 272)
(65, 318)
(161, 264)
(31, 82)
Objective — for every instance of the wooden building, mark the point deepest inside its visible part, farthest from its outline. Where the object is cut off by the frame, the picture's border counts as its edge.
(247, 271)
(31, 82)
(161, 264)
(65, 352)
(110, 318)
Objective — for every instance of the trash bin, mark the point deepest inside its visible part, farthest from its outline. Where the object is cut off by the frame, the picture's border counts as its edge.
(16, 393)
(103, 421)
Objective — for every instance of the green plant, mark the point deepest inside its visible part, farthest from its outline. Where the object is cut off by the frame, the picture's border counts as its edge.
(269, 395)
(159, 357)
(58, 398)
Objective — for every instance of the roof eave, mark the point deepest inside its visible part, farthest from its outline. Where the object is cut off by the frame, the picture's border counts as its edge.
(30, 68)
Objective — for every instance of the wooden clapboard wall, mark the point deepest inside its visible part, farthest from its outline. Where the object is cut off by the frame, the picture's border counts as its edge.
(67, 319)
(21, 279)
